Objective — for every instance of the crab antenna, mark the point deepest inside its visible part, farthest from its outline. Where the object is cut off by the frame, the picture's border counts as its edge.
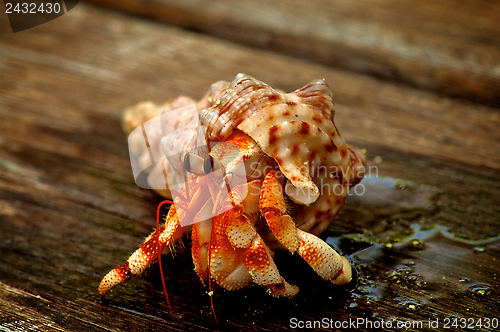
(211, 293)
(159, 251)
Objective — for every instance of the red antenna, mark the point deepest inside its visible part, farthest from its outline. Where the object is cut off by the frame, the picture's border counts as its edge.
(211, 293)
(159, 251)
(158, 238)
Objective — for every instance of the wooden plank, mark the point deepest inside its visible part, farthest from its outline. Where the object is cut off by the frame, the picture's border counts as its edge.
(70, 211)
(452, 47)
(430, 124)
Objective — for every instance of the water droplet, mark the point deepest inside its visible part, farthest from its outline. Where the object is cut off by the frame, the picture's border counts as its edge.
(387, 246)
(411, 305)
(416, 244)
(479, 290)
(463, 280)
(421, 283)
(478, 250)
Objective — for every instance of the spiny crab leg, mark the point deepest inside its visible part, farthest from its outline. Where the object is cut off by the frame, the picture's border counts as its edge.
(156, 242)
(182, 213)
(237, 253)
(325, 261)
(146, 254)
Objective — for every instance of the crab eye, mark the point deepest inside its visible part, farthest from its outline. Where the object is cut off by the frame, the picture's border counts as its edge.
(211, 165)
(193, 163)
(187, 164)
(208, 164)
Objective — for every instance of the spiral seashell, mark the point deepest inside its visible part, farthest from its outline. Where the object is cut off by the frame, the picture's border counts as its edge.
(295, 129)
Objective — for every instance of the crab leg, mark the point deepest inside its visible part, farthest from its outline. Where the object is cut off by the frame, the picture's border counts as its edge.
(146, 254)
(226, 260)
(181, 214)
(320, 256)
(200, 237)
(238, 255)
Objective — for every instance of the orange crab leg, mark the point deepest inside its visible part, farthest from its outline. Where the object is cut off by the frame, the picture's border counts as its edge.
(159, 239)
(320, 256)
(145, 255)
(200, 237)
(237, 254)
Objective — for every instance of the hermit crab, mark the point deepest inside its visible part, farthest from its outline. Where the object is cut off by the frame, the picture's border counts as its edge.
(251, 170)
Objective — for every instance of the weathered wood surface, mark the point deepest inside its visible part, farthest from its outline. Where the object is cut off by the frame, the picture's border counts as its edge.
(451, 46)
(70, 210)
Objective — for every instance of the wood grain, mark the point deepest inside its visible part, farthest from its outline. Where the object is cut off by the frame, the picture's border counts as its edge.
(70, 211)
(451, 47)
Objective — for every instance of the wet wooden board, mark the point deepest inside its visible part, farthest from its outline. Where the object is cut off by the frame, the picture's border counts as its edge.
(451, 46)
(70, 211)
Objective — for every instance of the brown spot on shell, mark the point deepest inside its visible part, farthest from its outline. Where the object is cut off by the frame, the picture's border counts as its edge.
(330, 147)
(343, 153)
(295, 149)
(286, 113)
(320, 106)
(273, 137)
(305, 128)
(317, 119)
(291, 103)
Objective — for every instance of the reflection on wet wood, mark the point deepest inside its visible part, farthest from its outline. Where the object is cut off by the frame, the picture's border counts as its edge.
(70, 210)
